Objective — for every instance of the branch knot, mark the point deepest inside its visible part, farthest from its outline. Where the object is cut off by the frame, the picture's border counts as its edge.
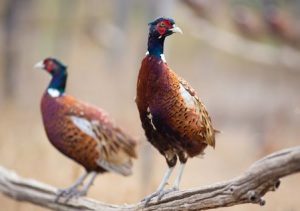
(255, 198)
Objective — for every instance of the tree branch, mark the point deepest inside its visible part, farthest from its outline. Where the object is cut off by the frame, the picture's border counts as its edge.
(250, 187)
(254, 51)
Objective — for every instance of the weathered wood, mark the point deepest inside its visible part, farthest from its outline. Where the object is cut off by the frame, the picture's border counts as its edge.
(200, 28)
(250, 187)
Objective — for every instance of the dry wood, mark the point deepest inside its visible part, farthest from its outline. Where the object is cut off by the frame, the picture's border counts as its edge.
(253, 51)
(229, 42)
(250, 187)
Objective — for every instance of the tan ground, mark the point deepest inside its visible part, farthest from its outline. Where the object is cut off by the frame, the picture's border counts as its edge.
(255, 106)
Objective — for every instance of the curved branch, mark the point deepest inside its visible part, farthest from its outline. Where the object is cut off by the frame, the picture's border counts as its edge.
(237, 45)
(250, 187)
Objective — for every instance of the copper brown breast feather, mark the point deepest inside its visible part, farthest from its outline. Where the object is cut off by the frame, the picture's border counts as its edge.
(175, 121)
(83, 132)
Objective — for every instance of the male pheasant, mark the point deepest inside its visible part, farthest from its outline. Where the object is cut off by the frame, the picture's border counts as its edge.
(175, 121)
(82, 132)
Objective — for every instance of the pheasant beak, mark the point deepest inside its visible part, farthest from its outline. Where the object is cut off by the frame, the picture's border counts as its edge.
(176, 29)
(39, 65)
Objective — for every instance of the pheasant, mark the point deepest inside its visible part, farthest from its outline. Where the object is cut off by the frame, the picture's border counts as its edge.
(82, 132)
(175, 121)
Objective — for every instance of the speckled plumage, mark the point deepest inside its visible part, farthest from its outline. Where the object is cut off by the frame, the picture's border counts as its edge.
(175, 121)
(109, 142)
(82, 132)
(182, 125)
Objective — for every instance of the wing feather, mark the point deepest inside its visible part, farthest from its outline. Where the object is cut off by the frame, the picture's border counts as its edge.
(116, 149)
(200, 109)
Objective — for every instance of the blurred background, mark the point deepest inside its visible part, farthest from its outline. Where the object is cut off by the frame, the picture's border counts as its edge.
(242, 57)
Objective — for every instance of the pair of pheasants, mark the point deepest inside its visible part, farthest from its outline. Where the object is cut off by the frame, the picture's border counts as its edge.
(174, 119)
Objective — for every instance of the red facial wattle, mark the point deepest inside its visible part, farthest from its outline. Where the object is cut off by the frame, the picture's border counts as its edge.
(161, 30)
(163, 26)
(49, 66)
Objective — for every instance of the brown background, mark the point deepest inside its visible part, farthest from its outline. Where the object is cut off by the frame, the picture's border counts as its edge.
(255, 105)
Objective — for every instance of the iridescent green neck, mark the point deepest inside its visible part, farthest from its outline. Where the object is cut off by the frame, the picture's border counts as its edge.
(156, 45)
(59, 80)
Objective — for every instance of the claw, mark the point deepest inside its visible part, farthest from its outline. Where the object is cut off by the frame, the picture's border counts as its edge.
(69, 193)
(159, 194)
(74, 191)
(166, 192)
(147, 199)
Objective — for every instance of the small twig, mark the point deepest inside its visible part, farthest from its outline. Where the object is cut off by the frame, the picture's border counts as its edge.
(250, 187)
(236, 45)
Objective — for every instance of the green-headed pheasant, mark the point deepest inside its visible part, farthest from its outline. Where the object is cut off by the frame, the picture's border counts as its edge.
(82, 132)
(175, 121)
